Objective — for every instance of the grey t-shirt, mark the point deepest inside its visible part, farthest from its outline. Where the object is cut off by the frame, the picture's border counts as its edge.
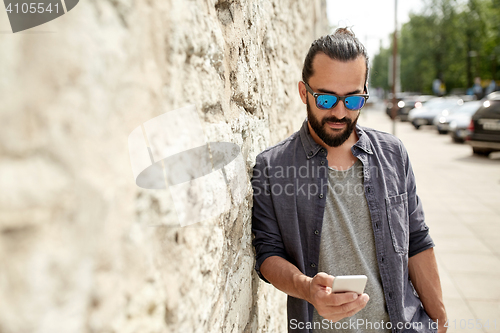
(348, 248)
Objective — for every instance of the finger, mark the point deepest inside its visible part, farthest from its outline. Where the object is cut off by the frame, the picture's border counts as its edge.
(338, 299)
(349, 308)
(337, 313)
(356, 306)
(323, 279)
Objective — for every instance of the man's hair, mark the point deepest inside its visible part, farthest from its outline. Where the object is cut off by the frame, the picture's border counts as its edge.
(342, 45)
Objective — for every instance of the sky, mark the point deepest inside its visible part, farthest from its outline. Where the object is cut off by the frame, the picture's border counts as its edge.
(371, 20)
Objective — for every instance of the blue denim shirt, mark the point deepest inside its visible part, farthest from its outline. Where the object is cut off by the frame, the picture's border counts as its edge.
(290, 185)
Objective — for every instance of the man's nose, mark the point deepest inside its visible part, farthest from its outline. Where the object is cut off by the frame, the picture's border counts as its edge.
(339, 111)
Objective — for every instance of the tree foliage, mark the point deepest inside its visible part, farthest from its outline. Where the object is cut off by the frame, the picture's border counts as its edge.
(379, 74)
(452, 40)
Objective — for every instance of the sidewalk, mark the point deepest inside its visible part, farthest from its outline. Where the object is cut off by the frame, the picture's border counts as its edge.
(461, 198)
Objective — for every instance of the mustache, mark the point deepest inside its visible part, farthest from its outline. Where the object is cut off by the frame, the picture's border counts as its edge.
(334, 119)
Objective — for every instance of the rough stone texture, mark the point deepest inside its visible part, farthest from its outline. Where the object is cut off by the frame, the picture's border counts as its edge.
(82, 248)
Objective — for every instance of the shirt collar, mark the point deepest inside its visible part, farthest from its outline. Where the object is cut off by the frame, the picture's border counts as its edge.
(364, 142)
(311, 147)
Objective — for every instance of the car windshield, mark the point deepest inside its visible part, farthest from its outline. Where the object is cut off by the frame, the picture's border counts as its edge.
(467, 108)
(441, 103)
(489, 107)
(433, 102)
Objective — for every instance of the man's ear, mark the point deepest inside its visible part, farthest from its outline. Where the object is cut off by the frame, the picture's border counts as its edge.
(302, 92)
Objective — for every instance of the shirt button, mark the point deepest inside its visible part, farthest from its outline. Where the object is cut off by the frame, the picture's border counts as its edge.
(369, 189)
(310, 153)
(322, 162)
(322, 150)
(313, 265)
(321, 196)
(316, 232)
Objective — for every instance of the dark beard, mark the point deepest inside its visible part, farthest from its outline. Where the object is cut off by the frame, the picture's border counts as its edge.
(332, 140)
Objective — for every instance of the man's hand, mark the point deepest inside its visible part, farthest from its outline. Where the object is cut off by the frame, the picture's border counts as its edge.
(424, 275)
(317, 290)
(333, 306)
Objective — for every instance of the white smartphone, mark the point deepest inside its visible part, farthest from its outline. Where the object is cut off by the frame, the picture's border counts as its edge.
(349, 283)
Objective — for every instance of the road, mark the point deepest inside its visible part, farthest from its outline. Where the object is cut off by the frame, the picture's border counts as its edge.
(461, 199)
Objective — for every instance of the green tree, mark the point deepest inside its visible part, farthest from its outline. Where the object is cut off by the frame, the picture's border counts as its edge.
(416, 49)
(475, 28)
(453, 40)
(380, 69)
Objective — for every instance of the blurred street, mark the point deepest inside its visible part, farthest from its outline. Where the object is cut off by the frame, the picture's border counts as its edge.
(461, 198)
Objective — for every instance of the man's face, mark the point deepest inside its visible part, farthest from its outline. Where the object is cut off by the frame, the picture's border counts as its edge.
(333, 126)
(334, 137)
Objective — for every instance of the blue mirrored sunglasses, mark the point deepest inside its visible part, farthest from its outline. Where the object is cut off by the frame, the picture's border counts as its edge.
(329, 101)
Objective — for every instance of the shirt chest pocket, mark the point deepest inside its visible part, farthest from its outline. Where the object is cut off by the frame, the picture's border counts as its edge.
(397, 216)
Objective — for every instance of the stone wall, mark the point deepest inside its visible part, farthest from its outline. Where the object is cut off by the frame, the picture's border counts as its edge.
(84, 249)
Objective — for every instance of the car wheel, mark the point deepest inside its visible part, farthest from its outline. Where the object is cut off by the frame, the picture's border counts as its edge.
(457, 139)
(480, 151)
(442, 132)
(415, 125)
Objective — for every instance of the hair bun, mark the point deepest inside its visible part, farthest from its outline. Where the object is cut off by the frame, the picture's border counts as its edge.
(344, 31)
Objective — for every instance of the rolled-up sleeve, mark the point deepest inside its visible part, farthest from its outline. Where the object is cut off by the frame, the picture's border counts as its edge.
(267, 236)
(419, 238)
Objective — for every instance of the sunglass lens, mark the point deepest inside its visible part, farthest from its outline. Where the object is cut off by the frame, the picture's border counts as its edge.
(354, 102)
(326, 101)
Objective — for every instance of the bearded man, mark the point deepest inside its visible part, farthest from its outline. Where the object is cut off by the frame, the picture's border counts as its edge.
(338, 199)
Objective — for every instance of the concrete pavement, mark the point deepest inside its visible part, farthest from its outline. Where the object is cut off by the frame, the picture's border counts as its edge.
(461, 198)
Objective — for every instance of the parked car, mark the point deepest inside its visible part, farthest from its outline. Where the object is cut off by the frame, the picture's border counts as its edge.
(405, 104)
(426, 114)
(461, 113)
(399, 98)
(485, 126)
(461, 120)
(409, 103)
